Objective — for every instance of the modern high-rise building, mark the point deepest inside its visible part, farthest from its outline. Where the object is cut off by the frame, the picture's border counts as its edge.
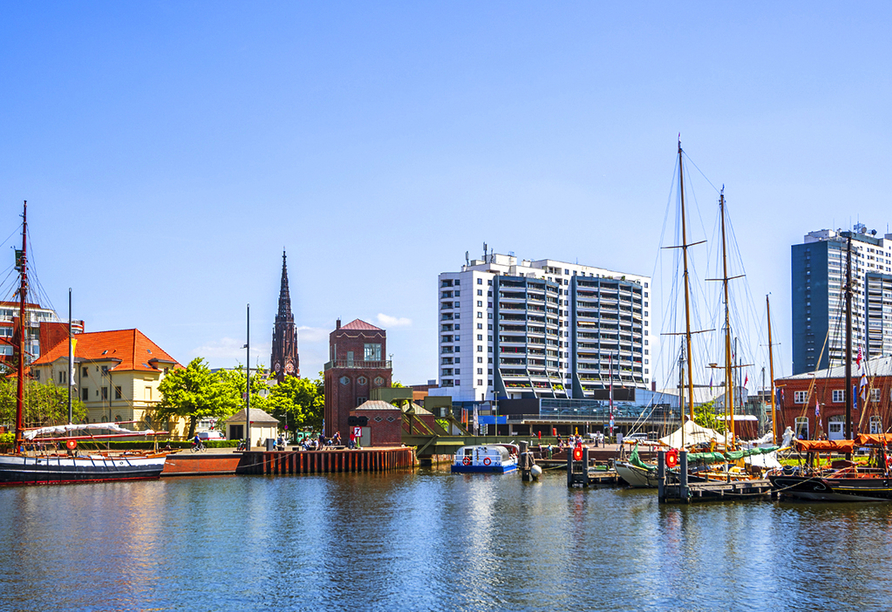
(520, 329)
(818, 297)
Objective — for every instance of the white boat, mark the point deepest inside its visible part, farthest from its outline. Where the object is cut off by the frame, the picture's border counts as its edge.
(485, 459)
(636, 476)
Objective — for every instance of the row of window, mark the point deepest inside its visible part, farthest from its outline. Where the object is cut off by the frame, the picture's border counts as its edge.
(837, 396)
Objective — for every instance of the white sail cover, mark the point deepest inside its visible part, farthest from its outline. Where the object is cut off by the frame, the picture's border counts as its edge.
(63, 429)
(693, 434)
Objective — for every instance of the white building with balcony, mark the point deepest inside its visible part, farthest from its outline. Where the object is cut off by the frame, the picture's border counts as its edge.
(513, 329)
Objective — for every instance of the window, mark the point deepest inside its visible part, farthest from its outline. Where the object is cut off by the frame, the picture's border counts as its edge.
(362, 380)
(480, 292)
(372, 352)
(479, 383)
(117, 392)
(105, 393)
(838, 396)
(148, 393)
(479, 281)
(479, 303)
(458, 294)
(457, 371)
(36, 374)
(480, 315)
(479, 371)
(458, 338)
(84, 372)
(799, 397)
(360, 401)
(480, 360)
(479, 339)
(85, 394)
(874, 397)
(479, 348)
(801, 427)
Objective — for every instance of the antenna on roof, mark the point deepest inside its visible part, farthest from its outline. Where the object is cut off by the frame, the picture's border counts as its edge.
(485, 247)
(467, 260)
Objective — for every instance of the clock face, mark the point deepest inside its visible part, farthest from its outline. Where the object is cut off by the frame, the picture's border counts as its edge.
(289, 368)
(277, 367)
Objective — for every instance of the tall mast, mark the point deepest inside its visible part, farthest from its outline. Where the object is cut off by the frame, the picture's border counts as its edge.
(729, 383)
(849, 341)
(71, 369)
(23, 291)
(687, 285)
(771, 371)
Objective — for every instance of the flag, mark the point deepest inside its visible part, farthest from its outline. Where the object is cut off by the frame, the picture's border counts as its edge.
(855, 397)
(863, 390)
(746, 379)
(858, 359)
(817, 408)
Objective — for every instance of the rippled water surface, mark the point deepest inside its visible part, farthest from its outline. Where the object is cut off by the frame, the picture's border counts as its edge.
(429, 540)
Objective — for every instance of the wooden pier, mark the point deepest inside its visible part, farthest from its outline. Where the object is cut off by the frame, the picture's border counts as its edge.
(678, 488)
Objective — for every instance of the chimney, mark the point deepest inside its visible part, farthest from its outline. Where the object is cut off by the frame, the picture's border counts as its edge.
(338, 325)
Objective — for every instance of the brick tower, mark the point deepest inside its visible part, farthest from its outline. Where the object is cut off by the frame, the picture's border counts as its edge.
(284, 359)
(358, 364)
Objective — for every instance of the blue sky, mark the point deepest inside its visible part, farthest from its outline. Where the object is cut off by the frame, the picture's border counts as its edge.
(170, 150)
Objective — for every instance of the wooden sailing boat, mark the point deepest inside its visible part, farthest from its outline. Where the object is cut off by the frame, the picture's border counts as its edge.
(32, 461)
(846, 480)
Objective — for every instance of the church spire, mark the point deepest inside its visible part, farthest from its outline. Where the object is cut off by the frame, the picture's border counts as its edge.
(284, 294)
(284, 359)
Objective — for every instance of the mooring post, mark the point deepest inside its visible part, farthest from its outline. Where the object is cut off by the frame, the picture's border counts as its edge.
(525, 461)
(585, 465)
(683, 476)
(661, 475)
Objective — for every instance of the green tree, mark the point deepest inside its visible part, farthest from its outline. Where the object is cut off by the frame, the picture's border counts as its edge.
(704, 416)
(299, 402)
(235, 382)
(44, 403)
(195, 392)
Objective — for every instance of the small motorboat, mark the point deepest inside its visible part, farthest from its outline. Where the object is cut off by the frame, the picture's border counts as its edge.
(486, 459)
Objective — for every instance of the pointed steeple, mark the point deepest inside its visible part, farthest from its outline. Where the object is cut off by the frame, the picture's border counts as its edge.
(284, 359)
(284, 294)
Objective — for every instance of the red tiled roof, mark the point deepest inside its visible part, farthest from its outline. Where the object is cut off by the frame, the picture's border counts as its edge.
(362, 325)
(132, 347)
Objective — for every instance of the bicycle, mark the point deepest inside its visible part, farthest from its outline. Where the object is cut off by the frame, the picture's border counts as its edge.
(198, 448)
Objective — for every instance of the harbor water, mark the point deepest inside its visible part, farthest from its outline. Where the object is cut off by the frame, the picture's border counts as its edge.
(429, 540)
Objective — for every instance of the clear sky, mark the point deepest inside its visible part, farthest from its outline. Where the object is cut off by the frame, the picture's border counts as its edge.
(169, 151)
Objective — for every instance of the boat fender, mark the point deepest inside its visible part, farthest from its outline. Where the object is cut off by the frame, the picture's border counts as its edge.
(487, 461)
(577, 453)
(672, 458)
(466, 461)
(71, 444)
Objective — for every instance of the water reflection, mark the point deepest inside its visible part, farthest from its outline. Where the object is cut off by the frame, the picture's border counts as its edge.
(428, 540)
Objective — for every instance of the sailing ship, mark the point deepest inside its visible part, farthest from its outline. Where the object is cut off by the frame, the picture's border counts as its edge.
(37, 455)
(845, 480)
(691, 436)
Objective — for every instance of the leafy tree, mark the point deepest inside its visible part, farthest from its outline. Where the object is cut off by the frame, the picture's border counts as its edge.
(704, 416)
(235, 382)
(299, 402)
(195, 392)
(44, 403)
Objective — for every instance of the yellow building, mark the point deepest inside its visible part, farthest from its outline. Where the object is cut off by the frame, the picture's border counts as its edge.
(116, 375)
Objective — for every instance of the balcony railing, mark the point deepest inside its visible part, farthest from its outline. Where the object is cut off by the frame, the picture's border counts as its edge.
(364, 365)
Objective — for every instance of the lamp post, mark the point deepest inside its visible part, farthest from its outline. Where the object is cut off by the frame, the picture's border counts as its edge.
(248, 383)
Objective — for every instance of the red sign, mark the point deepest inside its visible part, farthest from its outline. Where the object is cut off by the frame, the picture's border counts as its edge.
(357, 431)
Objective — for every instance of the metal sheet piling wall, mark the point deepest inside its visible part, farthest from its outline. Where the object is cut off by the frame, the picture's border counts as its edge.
(327, 462)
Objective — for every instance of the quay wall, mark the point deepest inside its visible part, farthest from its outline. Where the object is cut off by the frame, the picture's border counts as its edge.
(291, 462)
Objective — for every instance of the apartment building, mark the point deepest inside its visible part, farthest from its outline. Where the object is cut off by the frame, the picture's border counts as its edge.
(818, 267)
(518, 329)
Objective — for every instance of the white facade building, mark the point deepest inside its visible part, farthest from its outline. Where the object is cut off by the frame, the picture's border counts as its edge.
(513, 329)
